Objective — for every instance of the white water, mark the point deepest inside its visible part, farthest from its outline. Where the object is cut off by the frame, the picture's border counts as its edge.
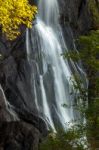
(51, 42)
(35, 93)
(45, 105)
(8, 107)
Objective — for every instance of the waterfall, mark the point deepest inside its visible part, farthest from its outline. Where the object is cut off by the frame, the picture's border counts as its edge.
(53, 86)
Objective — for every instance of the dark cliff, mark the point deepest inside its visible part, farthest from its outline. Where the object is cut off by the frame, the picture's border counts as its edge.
(15, 78)
(77, 14)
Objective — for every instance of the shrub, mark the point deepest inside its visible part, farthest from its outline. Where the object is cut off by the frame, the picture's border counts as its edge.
(14, 13)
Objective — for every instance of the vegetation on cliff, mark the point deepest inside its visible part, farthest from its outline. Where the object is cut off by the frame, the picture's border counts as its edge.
(94, 9)
(14, 13)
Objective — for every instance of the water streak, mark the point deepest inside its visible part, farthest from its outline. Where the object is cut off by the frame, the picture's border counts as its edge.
(8, 107)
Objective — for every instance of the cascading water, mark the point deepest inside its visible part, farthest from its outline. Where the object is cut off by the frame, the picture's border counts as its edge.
(52, 76)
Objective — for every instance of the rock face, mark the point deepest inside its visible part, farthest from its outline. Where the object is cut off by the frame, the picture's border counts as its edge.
(24, 130)
(77, 14)
(20, 126)
(4, 113)
(18, 136)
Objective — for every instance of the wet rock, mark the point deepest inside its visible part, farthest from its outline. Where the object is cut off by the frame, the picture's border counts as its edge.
(4, 113)
(18, 136)
(15, 77)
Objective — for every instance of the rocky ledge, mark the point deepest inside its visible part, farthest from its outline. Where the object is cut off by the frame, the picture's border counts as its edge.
(15, 133)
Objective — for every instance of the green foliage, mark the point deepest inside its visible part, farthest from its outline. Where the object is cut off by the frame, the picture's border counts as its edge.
(92, 126)
(78, 86)
(89, 51)
(94, 8)
(73, 139)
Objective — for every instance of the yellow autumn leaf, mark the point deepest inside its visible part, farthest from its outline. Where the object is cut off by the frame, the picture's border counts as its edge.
(13, 13)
